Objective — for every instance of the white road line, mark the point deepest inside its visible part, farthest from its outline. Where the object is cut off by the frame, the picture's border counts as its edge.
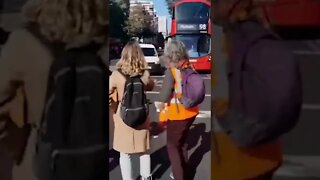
(306, 52)
(156, 92)
(204, 114)
(206, 77)
(156, 76)
(313, 45)
(153, 92)
(158, 82)
(300, 166)
(311, 106)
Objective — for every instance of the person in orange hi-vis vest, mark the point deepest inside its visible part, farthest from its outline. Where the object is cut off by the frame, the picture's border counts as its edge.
(229, 161)
(179, 119)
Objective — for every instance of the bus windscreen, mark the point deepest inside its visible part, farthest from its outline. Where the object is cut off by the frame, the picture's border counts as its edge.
(192, 11)
(196, 45)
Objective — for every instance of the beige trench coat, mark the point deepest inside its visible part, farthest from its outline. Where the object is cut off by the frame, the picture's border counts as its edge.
(125, 138)
(24, 60)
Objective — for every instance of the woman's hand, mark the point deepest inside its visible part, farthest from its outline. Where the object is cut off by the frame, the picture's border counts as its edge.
(150, 85)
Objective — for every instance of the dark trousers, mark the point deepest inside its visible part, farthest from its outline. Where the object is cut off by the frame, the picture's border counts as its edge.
(177, 132)
(6, 164)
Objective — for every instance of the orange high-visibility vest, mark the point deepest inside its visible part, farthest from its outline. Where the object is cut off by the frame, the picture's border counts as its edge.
(163, 115)
(176, 110)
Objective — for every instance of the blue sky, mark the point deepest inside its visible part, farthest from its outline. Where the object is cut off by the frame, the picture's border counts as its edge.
(162, 10)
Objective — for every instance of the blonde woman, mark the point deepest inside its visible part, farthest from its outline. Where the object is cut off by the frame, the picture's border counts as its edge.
(129, 141)
(25, 61)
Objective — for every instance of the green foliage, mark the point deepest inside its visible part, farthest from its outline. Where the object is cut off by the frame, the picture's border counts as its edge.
(139, 22)
(118, 10)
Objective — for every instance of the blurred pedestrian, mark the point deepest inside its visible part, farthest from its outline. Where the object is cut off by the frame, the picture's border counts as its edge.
(265, 95)
(180, 118)
(26, 61)
(130, 141)
(3, 36)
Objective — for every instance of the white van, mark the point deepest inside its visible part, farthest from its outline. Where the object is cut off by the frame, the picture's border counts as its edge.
(152, 58)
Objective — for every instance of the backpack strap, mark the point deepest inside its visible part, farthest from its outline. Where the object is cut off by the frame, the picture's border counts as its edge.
(178, 81)
(56, 50)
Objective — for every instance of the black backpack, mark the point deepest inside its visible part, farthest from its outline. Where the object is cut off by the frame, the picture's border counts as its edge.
(73, 137)
(134, 105)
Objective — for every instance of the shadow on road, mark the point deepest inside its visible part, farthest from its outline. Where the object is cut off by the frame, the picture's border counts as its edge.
(156, 128)
(160, 162)
(159, 159)
(196, 132)
(115, 159)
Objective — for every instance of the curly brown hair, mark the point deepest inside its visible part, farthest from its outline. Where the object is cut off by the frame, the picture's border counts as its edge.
(69, 20)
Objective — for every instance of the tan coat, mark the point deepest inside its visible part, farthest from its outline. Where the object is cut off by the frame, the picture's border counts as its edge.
(125, 138)
(24, 60)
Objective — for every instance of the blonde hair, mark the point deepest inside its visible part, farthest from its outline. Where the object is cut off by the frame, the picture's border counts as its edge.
(132, 60)
(69, 20)
(175, 51)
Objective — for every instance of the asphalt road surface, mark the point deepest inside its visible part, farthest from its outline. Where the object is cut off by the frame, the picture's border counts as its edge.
(198, 141)
(302, 147)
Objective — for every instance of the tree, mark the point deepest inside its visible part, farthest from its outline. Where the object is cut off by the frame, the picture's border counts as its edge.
(119, 10)
(169, 5)
(139, 22)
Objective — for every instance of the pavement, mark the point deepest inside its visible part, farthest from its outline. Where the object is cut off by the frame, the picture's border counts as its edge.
(198, 140)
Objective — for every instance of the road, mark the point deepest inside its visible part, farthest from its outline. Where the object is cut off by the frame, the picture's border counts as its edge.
(302, 150)
(198, 141)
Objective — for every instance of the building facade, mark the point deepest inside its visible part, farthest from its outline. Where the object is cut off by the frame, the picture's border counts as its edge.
(147, 4)
(149, 7)
(163, 25)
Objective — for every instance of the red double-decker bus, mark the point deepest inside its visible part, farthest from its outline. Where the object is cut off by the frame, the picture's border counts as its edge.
(191, 24)
(300, 18)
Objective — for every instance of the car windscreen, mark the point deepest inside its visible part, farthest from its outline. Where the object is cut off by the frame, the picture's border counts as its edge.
(149, 52)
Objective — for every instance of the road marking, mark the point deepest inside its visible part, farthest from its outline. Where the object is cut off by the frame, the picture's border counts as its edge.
(313, 45)
(156, 92)
(306, 52)
(300, 166)
(153, 92)
(204, 114)
(158, 83)
(157, 76)
(205, 77)
(311, 106)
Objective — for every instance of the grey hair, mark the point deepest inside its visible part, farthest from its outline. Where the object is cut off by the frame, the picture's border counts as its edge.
(175, 51)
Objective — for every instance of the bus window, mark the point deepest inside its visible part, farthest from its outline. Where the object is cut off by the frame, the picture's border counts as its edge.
(192, 11)
(196, 45)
